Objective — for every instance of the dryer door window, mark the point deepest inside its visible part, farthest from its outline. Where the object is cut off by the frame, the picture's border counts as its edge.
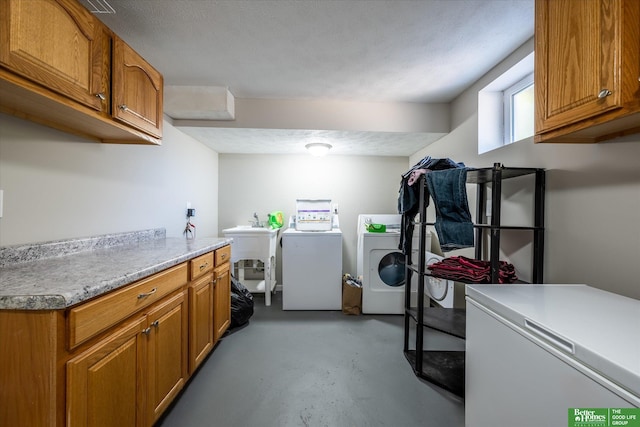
(391, 269)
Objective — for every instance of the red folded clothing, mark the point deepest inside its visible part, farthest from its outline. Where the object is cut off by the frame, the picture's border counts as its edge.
(460, 268)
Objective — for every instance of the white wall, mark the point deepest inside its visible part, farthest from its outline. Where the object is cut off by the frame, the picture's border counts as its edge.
(592, 200)
(266, 183)
(334, 115)
(59, 186)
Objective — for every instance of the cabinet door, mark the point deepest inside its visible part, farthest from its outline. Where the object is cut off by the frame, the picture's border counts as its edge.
(104, 382)
(67, 57)
(578, 60)
(201, 332)
(222, 300)
(167, 355)
(137, 90)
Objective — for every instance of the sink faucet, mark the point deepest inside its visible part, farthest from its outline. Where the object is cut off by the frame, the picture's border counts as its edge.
(256, 223)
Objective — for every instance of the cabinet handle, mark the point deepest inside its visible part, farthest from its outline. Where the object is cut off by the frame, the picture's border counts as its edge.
(203, 266)
(151, 292)
(604, 93)
(146, 331)
(123, 107)
(101, 96)
(223, 256)
(155, 324)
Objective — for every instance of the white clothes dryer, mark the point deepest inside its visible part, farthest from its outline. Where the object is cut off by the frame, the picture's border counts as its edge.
(381, 265)
(440, 290)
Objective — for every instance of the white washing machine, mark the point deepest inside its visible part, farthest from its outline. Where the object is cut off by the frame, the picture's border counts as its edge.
(312, 269)
(381, 265)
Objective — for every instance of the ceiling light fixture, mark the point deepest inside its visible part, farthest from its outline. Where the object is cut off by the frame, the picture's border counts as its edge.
(318, 149)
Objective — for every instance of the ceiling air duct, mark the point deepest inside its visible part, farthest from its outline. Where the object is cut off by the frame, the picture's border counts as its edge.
(199, 103)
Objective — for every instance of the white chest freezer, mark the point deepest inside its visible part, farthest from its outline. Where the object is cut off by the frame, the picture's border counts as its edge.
(534, 352)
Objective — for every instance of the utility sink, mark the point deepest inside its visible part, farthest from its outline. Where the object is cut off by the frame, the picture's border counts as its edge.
(252, 242)
(245, 230)
(258, 244)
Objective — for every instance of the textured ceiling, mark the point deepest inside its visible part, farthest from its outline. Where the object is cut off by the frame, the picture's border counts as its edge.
(421, 51)
(288, 141)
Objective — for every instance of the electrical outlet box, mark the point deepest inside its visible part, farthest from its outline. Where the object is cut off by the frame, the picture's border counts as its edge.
(191, 213)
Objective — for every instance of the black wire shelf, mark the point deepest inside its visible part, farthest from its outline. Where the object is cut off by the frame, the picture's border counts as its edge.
(442, 368)
(451, 321)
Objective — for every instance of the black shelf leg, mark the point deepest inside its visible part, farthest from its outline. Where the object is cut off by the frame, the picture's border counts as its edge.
(538, 234)
(496, 196)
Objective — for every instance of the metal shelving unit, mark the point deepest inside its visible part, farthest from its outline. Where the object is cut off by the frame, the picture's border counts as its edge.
(446, 368)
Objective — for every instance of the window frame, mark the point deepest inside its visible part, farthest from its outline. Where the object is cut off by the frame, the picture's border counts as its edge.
(508, 108)
(491, 122)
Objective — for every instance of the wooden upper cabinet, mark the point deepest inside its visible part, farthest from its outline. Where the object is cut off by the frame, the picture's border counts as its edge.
(62, 67)
(69, 55)
(137, 90)
(578, 60)
(587, 69)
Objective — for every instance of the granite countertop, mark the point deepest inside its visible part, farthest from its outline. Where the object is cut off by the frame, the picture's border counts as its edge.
(50, 282)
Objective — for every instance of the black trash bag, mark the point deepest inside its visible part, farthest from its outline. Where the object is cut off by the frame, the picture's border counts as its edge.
(241, 303)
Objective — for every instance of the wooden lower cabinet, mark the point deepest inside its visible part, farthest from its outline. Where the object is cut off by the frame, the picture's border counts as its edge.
(31, 379)
(201, 331)
(130, 377)
(124, 374)
(167, 354)
(209, 304)
(104, 382)
(221, 300)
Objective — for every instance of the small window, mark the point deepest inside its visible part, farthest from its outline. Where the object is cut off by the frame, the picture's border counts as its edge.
(506, 107)
(518, 110)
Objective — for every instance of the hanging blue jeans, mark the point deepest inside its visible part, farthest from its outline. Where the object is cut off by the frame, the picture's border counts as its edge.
(408, 197)
(448, 190)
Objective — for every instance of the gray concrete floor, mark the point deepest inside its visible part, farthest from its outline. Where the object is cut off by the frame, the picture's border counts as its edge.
(313, 368)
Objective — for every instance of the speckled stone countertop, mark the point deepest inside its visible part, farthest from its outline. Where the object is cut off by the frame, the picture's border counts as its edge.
(37, 277)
